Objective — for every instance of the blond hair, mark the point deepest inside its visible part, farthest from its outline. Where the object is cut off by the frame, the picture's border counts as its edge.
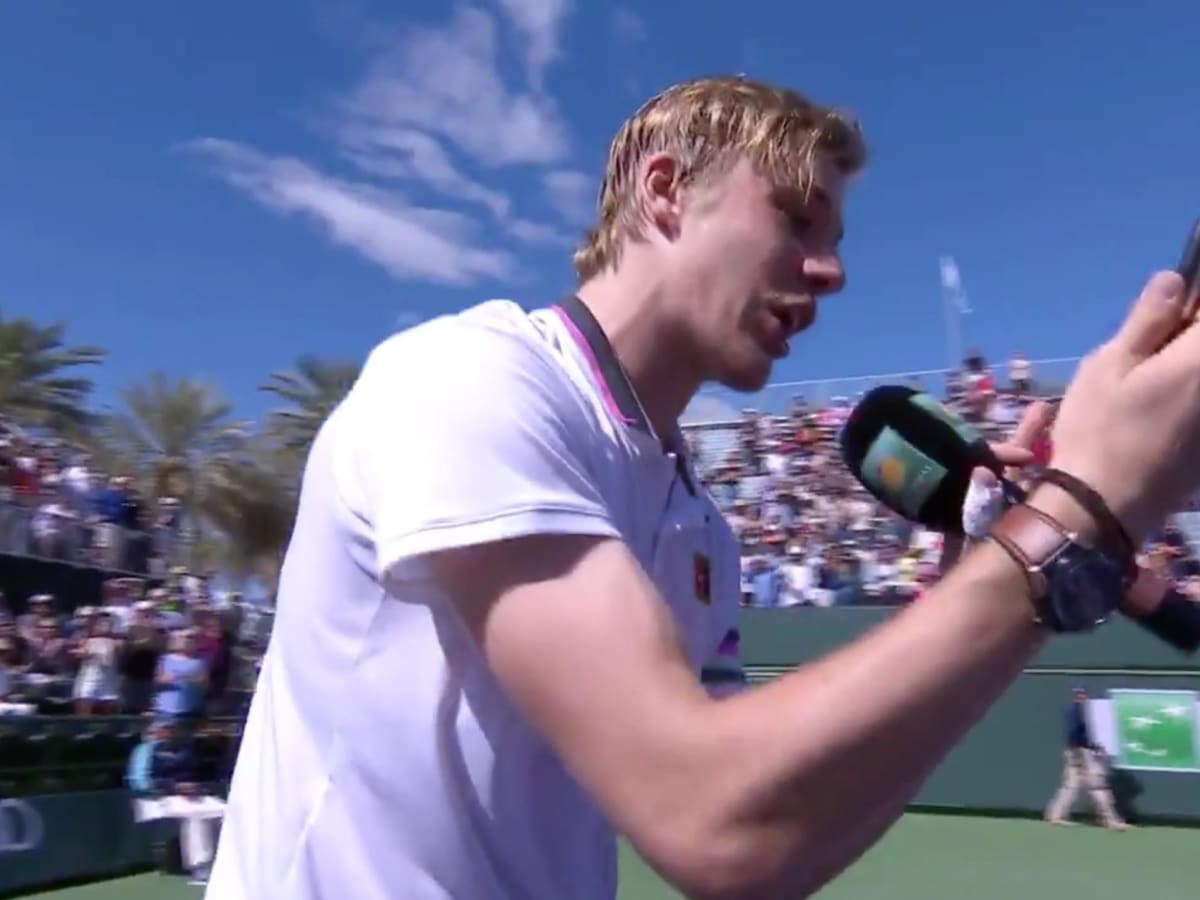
(707, 124)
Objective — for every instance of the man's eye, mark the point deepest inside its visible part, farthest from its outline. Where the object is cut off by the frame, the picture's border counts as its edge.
(799, 222)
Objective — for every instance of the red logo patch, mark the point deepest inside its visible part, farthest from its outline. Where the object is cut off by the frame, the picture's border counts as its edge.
(702, 578)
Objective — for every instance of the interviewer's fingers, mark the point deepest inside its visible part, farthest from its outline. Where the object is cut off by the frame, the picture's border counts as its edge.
(1155, 316)
(1012, 455)
(1016, 451)
(1035, 421)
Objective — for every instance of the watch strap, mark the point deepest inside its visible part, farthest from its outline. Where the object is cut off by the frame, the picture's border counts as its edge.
(1033, 539)
(1073, 587)
(1112, 536)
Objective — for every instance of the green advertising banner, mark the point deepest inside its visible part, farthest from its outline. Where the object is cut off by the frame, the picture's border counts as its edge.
(1155, 730)
(53, 838)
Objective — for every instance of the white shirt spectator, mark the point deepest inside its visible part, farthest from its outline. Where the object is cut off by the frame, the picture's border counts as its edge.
(77, 485)
(50, 520)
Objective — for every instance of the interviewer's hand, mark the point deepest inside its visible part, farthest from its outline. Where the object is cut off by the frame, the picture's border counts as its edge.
(1015, 453)
(1129, 424)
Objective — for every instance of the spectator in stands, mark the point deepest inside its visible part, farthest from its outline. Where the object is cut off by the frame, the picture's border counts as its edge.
(38, 607)
(136, 525)
(166, 531)
(14, 660)
(54, 525)
(49, 674)
(182, 679)
(97, 686)
(109, 510)
(25, 488)
(1020, 375)
(140, 654)
(213, 648)
(76, 484)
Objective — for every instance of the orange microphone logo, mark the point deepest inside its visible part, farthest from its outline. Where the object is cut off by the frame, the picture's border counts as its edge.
(892, 473)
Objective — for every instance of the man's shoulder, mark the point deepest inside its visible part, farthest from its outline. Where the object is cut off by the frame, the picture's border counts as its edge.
(492, 359)
(485, 335)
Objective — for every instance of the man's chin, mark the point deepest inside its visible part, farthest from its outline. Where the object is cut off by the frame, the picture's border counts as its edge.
(748, 378)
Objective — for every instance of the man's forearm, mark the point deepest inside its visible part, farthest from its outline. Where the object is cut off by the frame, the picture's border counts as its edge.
(819, 756)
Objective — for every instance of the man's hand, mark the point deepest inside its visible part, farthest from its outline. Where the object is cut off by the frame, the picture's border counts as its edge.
(1129, 425)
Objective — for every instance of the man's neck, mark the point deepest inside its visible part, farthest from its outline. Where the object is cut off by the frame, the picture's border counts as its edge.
(633, 316)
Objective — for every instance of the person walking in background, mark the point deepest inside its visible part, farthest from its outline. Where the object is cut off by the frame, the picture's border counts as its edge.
(1083, 766)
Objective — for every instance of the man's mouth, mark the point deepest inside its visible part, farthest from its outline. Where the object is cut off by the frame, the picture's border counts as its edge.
(791, 318)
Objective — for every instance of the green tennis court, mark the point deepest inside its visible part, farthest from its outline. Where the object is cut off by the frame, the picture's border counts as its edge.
(925, 857)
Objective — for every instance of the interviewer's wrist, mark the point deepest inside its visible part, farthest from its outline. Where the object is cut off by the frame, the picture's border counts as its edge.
(1127, 505)
(1066, 510)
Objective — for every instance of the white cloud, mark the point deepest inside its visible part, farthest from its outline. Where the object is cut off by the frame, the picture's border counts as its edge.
(406, 240)
(406, 153)
(540, 22)
(627, 28)
(573, 194)
(432, 116)
(445, 81)
(536, 233)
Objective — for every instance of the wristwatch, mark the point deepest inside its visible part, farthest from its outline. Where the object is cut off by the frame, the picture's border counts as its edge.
(1074, 587)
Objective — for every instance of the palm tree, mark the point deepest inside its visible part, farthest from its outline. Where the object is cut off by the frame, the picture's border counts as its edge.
(36, 387)
(250, 508)
(312, 392)
(172, 434)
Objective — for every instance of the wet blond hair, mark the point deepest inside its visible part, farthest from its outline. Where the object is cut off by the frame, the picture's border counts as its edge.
(707, 124)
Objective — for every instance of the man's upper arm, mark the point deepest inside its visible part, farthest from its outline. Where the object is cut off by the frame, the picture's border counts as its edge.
(501, 504)
(578, 637)
(485, 443)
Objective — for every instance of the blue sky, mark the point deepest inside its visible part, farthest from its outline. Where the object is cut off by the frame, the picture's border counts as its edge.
(212, 189)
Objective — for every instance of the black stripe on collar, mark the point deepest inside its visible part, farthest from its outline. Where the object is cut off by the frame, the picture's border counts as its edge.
(606, 365)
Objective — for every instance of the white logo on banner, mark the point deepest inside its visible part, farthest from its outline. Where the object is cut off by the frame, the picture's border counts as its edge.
(21, 827)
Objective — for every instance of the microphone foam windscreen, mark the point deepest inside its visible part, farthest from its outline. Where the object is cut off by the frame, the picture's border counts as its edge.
(914, 455)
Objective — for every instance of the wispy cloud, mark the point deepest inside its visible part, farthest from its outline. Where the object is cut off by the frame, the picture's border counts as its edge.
(572, 194)
(432, 116)
(407, 240)
(446, 81)
(628, 31)
(540, 22)
(627, 28)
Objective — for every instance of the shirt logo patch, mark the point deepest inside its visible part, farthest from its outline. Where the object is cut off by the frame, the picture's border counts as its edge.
(702, 578)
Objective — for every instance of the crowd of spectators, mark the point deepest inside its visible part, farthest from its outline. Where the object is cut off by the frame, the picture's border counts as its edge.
(173, 650)
(157, 641)
(812, 536)
(54, 504)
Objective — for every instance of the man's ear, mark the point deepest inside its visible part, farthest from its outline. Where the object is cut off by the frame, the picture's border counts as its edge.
(659, 191)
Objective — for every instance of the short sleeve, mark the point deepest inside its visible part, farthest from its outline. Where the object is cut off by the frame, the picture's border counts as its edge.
(723, 673)
(470, 437)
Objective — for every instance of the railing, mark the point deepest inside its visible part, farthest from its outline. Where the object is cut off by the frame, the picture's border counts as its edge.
(717, 404)
(713, 419)
(75, 537)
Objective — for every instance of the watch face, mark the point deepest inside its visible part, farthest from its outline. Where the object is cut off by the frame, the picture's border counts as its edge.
(1085, 588)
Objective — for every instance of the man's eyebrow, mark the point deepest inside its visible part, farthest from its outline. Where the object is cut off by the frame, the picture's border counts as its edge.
(814, 195)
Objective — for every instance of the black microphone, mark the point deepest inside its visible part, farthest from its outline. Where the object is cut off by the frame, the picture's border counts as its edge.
(916, 457)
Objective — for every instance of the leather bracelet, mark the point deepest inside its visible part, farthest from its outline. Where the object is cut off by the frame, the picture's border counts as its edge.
(1112, 534)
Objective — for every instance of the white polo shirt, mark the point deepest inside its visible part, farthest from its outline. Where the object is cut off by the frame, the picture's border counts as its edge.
(380, 757)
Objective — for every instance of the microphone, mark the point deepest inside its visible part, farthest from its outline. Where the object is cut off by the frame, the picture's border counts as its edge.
(916, 457)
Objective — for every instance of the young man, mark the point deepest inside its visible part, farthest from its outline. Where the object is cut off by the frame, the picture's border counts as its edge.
(504, 580)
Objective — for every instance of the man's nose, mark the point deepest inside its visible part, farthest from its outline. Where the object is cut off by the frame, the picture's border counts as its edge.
(824, 273)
